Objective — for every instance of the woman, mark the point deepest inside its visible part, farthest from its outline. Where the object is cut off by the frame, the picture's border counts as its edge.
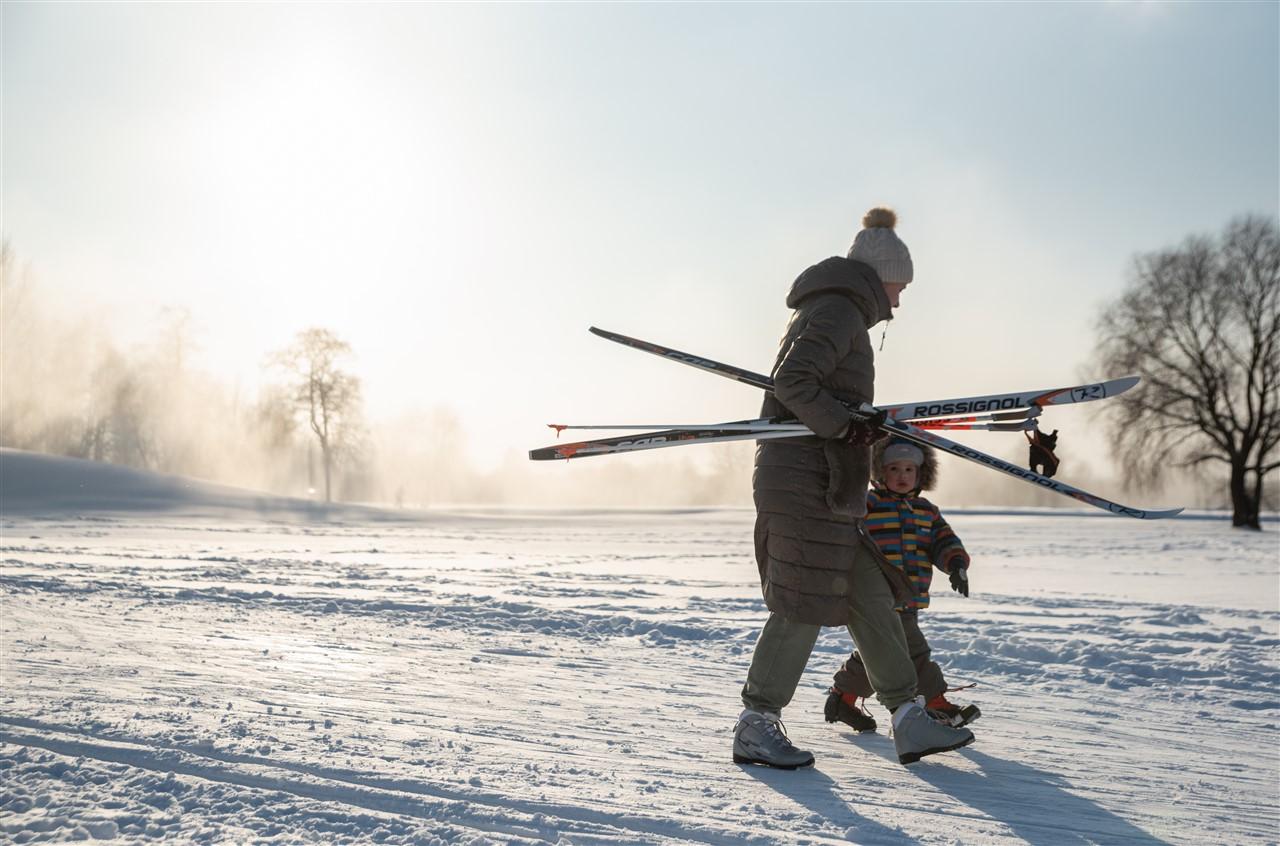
(817, 567)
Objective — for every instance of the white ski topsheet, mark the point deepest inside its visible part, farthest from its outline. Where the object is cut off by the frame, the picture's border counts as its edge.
(1006, 402)
(573, 677)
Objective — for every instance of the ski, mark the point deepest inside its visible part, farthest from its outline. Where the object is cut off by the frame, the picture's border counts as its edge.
(711, 433)
(736, 373)
(901, 411)
(656, 440)
(1029, 413)
(1023, 416)
(706, 433)
(950, 426)
(766, 425)
(762, 424)
(895, 420)
(923, 436)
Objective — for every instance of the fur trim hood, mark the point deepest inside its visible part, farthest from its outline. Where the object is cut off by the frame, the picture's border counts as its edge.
(928, 470)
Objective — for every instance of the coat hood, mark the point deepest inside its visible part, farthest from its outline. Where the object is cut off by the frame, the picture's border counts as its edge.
(853, 279)
(928, 470)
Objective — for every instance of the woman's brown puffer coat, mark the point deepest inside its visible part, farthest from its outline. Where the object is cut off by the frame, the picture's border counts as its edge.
(810, 493)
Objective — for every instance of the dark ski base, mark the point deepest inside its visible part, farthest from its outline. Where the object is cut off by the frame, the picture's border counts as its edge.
(912, 757)
(743, 759)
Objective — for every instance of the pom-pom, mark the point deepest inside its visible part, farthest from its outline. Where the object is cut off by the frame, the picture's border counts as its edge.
(879, 218)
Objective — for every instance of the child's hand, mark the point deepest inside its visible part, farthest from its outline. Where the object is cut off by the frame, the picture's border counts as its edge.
(960, 580)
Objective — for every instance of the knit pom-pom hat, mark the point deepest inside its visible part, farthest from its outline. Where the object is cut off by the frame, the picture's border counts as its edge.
(879, 246)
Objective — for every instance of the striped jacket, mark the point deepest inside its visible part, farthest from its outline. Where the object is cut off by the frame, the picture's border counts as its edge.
(913, 535)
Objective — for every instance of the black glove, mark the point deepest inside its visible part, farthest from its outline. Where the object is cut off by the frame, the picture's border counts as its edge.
(867, 432)
(960, 580)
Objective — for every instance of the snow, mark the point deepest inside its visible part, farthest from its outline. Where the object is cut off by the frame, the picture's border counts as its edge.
(198, 664)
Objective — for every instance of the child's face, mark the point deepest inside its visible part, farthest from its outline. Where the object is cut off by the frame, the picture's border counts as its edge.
(900, 476)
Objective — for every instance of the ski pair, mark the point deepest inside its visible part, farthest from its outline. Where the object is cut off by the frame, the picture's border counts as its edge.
(991, 412)
(895, 422)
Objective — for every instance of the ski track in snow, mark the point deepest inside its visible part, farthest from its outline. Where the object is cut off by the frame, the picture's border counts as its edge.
(573, 678)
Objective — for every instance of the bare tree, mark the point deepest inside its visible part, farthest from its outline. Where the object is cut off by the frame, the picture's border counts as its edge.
(1201, 324)
(328, 396)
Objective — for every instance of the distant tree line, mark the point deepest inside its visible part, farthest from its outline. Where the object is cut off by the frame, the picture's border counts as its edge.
(67, 388)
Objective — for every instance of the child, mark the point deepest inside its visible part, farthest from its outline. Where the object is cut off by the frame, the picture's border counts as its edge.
(911, 533)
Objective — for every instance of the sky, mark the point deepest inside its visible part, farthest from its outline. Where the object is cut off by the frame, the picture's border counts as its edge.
(459, 191)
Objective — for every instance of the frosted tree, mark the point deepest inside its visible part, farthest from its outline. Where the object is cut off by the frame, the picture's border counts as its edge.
(326, 395)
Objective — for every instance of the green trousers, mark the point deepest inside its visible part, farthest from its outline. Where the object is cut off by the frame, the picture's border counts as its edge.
(784, 646)
(852, 675)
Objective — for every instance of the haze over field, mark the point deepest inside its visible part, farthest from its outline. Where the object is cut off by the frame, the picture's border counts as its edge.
(255, 251)
(196, 665)
(459, 191)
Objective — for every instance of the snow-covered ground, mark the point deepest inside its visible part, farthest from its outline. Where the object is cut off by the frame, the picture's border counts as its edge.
(201, 665)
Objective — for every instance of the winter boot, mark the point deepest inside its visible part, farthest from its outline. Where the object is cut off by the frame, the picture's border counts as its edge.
(844, 708)
(916, 734)
(759, 738)
(950, 713)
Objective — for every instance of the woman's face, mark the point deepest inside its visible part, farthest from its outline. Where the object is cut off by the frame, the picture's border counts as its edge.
(893, 290)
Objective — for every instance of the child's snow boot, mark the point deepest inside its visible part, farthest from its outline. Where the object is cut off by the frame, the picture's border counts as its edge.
(950, 713)
(916, 734)
(843, 707)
